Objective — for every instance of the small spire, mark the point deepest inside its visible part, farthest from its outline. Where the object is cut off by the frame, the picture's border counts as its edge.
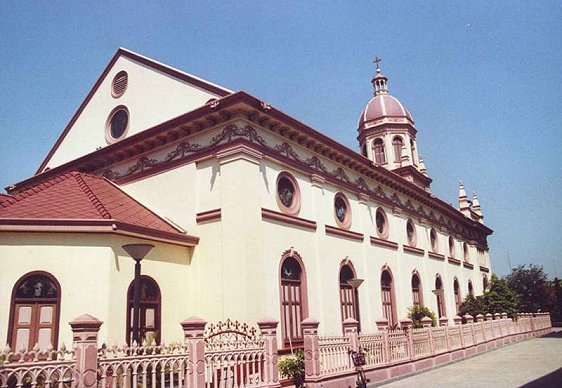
(379, 80)
(422, 167)
(464, 205)
(476, 207)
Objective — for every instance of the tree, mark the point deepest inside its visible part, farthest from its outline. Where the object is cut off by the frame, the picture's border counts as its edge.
(532, 286)
(499, 297)
(473, 306)
(416, 313)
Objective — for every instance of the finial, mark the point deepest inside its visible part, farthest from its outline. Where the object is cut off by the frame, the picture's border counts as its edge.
(463, 200)
(422, 167)
(376, 62)
(379, 80)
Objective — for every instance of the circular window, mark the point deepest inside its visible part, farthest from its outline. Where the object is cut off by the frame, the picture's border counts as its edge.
(288, 193)
(411, 233)
(342, 211)
(117, 124)
(119, 84)
(451, 246)
(434, 242)
(381, 223)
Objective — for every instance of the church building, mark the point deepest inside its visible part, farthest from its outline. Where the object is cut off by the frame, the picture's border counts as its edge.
(252, 215)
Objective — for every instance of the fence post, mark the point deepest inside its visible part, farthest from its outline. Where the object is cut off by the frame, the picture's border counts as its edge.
(194, 337)
(458, 322)
(351, 330)
(469, 320)
(426, 322)
(406, 325)
(382, 326)
(268, 329)
(444, 322)
(85, 330)
(311, 348)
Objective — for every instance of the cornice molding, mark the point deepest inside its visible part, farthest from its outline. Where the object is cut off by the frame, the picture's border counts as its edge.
(290, 220)
(384, 243)
(335, 231)
(413, 250)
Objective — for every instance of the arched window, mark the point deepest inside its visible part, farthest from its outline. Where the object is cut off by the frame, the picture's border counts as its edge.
(457, 291)
(397, 144)
(387, 294)
(484, 283)
(35, 312)
(293, 301)
(451, 247)
(349, 297)
(417, 299)
(470, 288)
(411, 233)
(434, 241)
(413, 147)
(440, 293)
(378, 147)
(149, 313)
(465, 252)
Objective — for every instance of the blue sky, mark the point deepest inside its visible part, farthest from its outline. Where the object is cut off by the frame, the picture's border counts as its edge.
(482, 80)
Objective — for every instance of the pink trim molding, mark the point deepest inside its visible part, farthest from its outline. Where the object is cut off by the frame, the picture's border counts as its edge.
(267, 214)
(484, 269)
(454, 261)
(209, 215)
(384, 243)
(436, 256)
(335, 231)
(413, 250)
(468, 265)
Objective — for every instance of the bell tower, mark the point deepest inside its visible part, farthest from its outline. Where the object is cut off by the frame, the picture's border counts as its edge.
(387, 135)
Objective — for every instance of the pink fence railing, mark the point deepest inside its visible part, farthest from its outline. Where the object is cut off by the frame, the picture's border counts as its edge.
(231, 354)
(228, 354)
(327, 358)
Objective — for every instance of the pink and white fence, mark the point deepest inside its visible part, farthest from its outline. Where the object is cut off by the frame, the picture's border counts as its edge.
(391, 353)
(231, 354)
(226, 354)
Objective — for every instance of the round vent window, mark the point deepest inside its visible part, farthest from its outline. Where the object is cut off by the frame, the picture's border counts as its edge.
(119, 84)
(117, 124)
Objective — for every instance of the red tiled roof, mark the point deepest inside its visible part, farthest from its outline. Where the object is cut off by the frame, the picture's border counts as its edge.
(82, 197)
(4, 198)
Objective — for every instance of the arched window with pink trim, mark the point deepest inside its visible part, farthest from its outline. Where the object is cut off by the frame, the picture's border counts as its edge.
(470, 288)
(387, 295)
(378, 148)
(397, 144)
(35, 312)
(349, 296)
(440, 294)
(457, 291)
(417, 298)
(150, 328)
(292, 299)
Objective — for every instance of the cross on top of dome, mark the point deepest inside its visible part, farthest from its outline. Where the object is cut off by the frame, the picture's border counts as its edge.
(379, 80)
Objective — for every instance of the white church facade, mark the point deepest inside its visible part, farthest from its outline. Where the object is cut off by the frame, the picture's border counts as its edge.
(252, 215)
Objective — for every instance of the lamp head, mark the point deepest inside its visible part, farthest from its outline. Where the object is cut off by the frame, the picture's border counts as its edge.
(137, 251)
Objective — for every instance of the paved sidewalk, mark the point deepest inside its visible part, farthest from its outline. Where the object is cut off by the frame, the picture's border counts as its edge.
(532, 363)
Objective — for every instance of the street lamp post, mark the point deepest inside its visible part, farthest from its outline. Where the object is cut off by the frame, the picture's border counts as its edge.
(137, 252)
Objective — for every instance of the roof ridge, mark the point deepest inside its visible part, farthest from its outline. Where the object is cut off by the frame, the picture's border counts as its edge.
(92, 197)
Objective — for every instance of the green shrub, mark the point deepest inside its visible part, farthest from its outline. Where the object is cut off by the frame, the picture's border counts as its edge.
(416, 313)
(293, 367)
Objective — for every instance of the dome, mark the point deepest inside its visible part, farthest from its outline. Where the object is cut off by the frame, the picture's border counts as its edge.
(383, 105)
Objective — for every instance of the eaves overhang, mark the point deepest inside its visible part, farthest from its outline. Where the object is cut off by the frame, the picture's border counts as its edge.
(106, 226)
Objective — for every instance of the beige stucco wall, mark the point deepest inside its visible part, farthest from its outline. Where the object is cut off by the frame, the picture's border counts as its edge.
(94, 274)
(152, 97)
